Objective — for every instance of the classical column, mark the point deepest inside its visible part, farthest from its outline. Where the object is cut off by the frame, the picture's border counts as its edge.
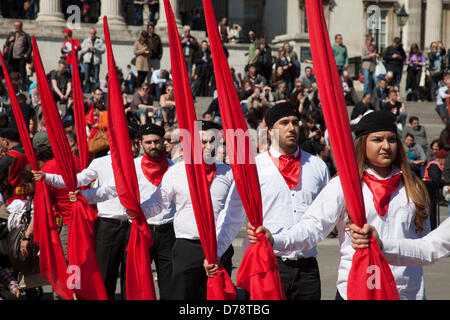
(161, 25)
(412, 29)
(293, 18)
(433, 22)
(50, 12)
(111, 9)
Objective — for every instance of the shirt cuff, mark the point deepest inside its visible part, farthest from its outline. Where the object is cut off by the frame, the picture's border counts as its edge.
(390, 246)
(279, 242)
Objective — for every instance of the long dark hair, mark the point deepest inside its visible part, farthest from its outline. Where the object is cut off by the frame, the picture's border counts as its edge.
(415, 188)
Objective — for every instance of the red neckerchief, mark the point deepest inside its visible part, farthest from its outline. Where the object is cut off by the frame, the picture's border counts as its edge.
(382, 190)
(289, 167)
(210, 172)
(154, 168)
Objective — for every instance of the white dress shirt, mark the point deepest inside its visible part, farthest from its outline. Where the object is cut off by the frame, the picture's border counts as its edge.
(282, 207)
(101, 171)
(146, 189)
(329, 209)
(174, 187)
(423, 251)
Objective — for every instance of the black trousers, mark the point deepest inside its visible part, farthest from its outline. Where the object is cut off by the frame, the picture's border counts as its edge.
(111, 239)
(18, 65)
(161, 252)
(300, 279)
(188, 276)
(227, 259)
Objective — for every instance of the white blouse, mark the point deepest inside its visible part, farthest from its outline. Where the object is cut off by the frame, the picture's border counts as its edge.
(328, 210)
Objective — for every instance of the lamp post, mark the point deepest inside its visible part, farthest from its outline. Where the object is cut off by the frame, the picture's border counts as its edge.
(402, 19)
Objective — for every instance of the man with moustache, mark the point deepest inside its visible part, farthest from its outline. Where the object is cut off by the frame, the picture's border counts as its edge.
(290, 179)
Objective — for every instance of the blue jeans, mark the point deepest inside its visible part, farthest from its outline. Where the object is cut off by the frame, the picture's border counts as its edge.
(442, 112)
(369, 81)
(138, 9)
(87, 81)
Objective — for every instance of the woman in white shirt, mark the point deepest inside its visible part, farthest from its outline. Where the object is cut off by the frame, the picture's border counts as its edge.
(398, 214)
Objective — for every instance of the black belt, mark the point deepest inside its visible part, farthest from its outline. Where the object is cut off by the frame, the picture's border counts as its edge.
(161, 227)
(311, 261)
(125, 223)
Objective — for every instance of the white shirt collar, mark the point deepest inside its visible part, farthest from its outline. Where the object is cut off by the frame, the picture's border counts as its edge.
(394, 172)
(276, 154)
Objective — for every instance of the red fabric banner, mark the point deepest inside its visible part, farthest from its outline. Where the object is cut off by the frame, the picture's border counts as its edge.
(139, 278)
(264, 284)
(87, 281)
(51, 257)
(220, 286)
(78, 112)
(365, 261)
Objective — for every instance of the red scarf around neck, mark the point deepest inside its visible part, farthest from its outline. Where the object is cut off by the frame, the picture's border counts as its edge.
(210, 172)
(382, 190)
(154, 168)
(289, 167)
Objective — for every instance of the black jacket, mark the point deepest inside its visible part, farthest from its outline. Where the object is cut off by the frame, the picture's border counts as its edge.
(9, 45)
(387, 56)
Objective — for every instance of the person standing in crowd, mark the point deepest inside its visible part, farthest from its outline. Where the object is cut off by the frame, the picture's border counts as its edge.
(265, 65)
(155, 48)
(394, 57)
(415, 155)
(190, 48)
(397, 107)
(434, 179)
(441, 101)
(415, 62)
(224, 30)
(188, 275)
(436, 57)
(91, 52)
(290, 179)
(380, 95)
(369, 63)
(253, 49)
(153, 14)
(66, 50)
(138, 10)
(418, 131)
(340, 53)
(380, 158)
(347, 87)
(203, 71)
(288, 68)
(142, 53)
(17, 51)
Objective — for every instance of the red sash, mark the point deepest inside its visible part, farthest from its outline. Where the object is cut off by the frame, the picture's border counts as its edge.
(289, 167)
(382, 190)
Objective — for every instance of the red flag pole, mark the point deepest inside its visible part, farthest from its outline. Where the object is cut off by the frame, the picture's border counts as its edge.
(51, 258)
(139, 278)
(338, 126)
(261, 279)
(220, 286)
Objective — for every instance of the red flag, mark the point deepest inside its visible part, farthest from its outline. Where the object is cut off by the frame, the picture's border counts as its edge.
(220, 286)
(88, 283)
(78, 111)
(139, 272)
(365, 261)
(261, 278)
(51, 257)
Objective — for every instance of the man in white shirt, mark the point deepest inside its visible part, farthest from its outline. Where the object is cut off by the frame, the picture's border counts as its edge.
(150, 169)
(285, 197)
(441, 101)
(112, 227)
(189, 279)
(159, 79)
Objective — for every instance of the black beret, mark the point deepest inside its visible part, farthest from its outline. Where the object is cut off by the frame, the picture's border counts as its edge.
(209, 125)
(10, 134)
(375, 122)
(281, 110)
(151, 128)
